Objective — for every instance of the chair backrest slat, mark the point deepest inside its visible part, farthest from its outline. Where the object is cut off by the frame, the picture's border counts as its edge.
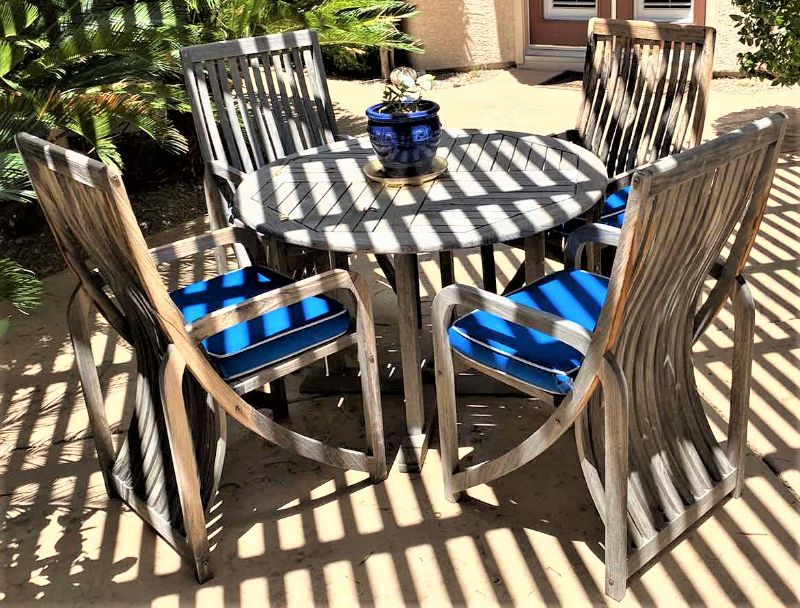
(306, 98)
(259, 99)
(288, 116)
(683, 212)
(89, 213)
(645, 90)
(248, 120)
(275, 131)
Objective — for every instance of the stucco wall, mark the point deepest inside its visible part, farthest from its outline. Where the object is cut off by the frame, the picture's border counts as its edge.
(728, 44)
(464, 33)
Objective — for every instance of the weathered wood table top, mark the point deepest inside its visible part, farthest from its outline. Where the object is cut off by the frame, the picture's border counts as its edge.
(498, 186)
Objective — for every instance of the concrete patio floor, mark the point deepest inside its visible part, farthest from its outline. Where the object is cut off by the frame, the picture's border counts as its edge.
(288, 532)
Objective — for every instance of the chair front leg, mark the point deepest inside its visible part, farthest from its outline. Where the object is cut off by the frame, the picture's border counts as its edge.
(615, 411)
(446, 397)
(184, 461)
(370, 384)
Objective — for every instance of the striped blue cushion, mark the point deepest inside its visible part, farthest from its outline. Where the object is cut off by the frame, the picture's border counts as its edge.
(281, 333)
(524, 353)
(614, 208)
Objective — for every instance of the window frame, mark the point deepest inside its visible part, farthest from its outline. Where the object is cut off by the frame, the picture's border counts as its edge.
(672, 15)
(561, 13)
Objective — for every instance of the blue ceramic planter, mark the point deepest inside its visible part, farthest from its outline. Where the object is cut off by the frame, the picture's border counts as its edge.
(406, 144)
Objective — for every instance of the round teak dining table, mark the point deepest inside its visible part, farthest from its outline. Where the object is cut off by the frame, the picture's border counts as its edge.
(498, 186)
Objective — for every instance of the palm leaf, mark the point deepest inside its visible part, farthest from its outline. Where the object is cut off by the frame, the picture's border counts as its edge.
(19, 286)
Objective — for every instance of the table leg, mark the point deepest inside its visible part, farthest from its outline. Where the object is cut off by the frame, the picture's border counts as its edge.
(415, 444)
(488, 268)
(446, 269)
(335, 364)
(534, 257)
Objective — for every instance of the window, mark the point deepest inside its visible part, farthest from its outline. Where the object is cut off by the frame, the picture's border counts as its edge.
(664, 10)
(569, 9)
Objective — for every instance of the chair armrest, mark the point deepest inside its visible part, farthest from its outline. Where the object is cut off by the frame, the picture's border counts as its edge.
(559, 328)
(342, 137)
(719, 293)
(230, 174)
(620, 181)
(254, 307)
(203, 242)
(717, 267)
(590, 233)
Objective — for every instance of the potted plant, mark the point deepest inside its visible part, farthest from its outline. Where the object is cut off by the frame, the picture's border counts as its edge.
(404, 129)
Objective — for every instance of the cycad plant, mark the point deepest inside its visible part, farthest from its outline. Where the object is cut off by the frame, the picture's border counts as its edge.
(19, 290)
(89, 69)
(348, 25)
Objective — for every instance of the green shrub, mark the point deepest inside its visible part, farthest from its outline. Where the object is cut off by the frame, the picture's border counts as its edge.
(19, 288)
(352, 26)
(91, 71)
(773, 28)
(87, 70)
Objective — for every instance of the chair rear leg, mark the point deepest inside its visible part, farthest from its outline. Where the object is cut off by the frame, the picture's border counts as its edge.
(78, 322)
(184, 463)
(615, 410)
(742, 367)
(216, 216)
(335, 364)
(275, 401)
(280, 403)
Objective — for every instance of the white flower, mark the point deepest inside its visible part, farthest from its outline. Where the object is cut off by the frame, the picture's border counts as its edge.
(407, 81)
(425, 82)
(400, 75)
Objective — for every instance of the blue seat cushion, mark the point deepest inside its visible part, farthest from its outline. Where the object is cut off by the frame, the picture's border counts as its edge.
(276, 335)
(524, 353)
(613, 213)
(614, 208)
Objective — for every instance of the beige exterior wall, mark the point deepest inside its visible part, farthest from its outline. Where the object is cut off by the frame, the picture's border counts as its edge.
(466, 33)
(718, 14)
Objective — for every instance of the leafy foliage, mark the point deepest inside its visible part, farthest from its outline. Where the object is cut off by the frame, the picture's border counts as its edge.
(350, 25)
(19, 287)
(92, 70)
(773, 27)
(89, 69)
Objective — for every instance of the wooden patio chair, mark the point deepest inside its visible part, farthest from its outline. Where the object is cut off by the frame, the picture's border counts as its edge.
(645, 93)
(646, 448)
(254, 101)
(197, 349)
